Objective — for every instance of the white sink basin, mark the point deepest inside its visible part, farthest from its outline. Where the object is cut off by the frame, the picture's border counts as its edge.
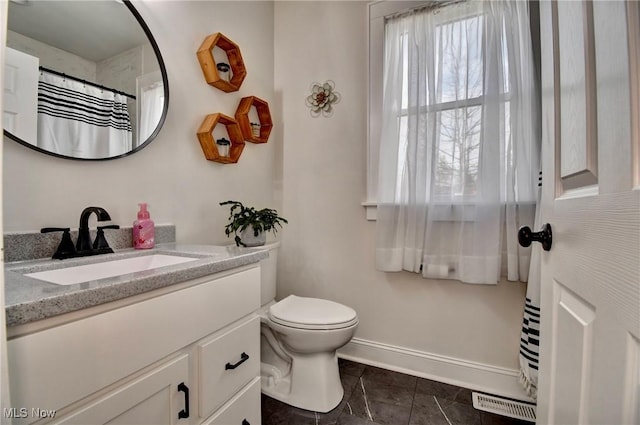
(89, 272)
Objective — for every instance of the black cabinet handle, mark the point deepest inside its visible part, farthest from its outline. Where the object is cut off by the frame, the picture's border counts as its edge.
(245, 422)
(526, 236)
(243, 358)
(184, 413)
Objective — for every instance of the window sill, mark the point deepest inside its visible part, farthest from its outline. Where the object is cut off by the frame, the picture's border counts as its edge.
(447, 214)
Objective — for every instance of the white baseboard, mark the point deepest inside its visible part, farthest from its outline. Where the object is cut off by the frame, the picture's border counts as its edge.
(476, 376)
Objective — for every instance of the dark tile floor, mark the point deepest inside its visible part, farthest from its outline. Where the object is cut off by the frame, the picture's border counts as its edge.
(379, 396)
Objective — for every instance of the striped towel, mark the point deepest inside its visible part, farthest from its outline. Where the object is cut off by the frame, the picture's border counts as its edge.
(530, 336)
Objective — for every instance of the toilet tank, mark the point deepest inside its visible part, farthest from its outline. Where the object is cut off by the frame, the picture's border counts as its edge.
(268, 268)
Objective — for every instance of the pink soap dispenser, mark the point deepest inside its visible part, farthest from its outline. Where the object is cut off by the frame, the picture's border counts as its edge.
(143, 229)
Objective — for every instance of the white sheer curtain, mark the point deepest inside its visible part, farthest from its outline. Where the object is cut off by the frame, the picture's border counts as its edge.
(459, 152)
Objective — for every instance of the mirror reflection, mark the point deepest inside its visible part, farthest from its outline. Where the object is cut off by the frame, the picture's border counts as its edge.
(83, 79)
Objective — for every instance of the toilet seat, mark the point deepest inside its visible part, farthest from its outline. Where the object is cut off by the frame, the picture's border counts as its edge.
(312, 314)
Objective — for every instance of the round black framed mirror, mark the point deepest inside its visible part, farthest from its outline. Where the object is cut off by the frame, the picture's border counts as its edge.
(84, 80)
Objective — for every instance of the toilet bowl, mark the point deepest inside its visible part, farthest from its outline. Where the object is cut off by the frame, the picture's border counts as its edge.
(299, 339)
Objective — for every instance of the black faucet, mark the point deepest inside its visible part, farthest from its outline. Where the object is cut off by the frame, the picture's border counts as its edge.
(84, 246)
(84, 240)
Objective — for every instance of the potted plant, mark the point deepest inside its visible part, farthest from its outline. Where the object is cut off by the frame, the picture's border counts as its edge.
(250, 225)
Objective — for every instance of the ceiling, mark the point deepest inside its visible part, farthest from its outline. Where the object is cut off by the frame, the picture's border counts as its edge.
(95, 30)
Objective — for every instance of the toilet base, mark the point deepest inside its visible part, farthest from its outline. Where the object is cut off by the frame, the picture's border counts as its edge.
(313, 383)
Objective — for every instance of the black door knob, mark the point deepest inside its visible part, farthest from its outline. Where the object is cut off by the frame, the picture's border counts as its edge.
(526, 236)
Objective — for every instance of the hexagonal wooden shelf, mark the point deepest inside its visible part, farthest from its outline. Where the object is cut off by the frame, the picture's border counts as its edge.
(264, 116)
(208, 144)
(209, 66)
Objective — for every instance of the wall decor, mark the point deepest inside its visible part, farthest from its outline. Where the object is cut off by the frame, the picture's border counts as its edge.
(225, 153)
(322, 99)
(254, 132)
(229, 80)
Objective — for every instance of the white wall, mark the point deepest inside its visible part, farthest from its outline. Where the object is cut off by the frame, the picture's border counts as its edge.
(328, 247)
(171, 174)
(52, 57)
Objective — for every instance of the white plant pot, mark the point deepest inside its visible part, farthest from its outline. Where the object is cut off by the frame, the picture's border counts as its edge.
(249, 239)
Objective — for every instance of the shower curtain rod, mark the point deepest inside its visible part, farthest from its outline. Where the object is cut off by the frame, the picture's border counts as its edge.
(80, 80)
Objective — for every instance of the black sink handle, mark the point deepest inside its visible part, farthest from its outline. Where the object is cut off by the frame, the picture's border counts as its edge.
(100, 243)
(54, 229)
(66, 248)
(109, 226)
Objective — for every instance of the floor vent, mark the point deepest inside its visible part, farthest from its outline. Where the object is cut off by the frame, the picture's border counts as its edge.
(505, 407)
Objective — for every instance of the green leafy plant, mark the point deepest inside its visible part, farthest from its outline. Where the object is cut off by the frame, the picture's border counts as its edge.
(241, 217)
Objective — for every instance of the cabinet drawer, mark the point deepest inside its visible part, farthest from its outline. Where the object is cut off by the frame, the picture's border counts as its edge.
(242, 409)
(227, 362)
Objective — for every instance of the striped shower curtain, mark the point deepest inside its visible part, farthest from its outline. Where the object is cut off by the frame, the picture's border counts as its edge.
(81, 121)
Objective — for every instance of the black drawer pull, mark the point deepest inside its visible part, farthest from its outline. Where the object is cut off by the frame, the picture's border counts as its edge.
(184, 413)
(243, 358)
(245, 422)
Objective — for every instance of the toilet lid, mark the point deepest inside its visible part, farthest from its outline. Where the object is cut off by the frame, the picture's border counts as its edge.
(312, 313)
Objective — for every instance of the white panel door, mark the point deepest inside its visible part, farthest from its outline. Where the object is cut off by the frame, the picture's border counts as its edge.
(20, 113)
(590, 320)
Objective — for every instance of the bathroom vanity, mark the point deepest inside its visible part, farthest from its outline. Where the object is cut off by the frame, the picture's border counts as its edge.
(179, 344)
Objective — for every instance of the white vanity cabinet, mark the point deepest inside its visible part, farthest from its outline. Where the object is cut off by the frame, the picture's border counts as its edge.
(191, 349)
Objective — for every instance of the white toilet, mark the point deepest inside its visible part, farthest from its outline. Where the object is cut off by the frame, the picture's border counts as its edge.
(299, 339)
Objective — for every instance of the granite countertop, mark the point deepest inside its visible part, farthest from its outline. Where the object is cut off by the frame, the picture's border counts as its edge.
(28, 299)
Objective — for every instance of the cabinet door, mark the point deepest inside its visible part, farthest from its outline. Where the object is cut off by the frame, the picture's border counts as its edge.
(153, 398)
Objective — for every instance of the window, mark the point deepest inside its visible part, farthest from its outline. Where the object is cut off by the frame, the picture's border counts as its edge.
(456, 98)
(454, 138)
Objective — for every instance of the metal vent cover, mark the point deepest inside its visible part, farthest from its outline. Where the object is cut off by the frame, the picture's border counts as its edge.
(504, 406)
